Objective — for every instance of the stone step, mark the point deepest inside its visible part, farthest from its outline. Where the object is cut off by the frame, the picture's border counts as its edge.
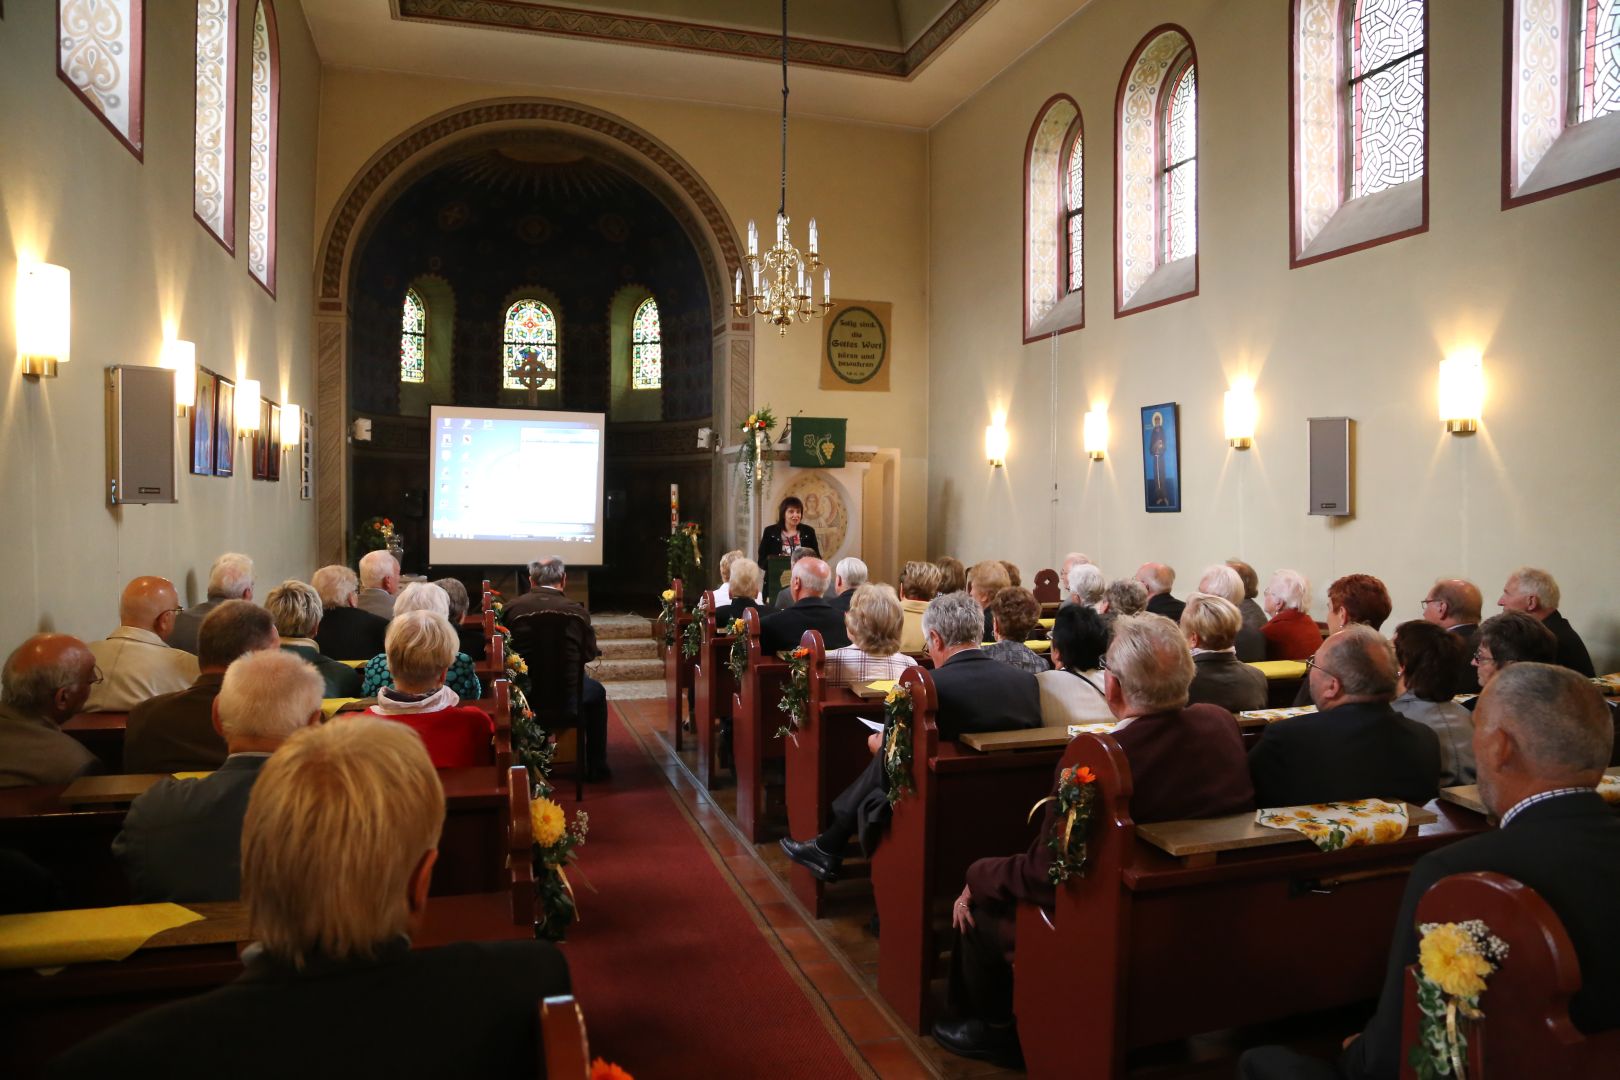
(606, 671)
(635, 690)
(628, 648)
(620, 627)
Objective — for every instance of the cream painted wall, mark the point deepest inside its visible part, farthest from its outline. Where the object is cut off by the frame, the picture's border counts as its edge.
(866, 185)
(70, 193)
(1360, 336)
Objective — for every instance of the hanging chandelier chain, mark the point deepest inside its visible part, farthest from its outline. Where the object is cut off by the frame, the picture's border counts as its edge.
(782, 208)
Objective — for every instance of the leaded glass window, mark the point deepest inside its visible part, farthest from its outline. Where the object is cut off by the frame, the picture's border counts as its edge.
(413, 340)
(214, 140)
(1386, 51)
(1598, 58)
(1074, 211)
(529, 325)
(262, 147)
(646, 348)
(1180, 179)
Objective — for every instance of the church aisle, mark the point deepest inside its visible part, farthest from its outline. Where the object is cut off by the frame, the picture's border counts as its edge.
(679, 971)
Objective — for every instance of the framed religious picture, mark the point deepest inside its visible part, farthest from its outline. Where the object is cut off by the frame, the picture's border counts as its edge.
(274, 471)
(259, 441)
(202, 424)
(225, 427)
(1161, 458)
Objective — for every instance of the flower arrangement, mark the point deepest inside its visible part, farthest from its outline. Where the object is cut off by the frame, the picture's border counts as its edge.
(375, 534)
(1454, 960)
(692, 638)
(897, 743)
(683, 554)
(1076, 796)
(737, 661)
(796, 690)
(666, 615)
(555, 844)
(753, 459)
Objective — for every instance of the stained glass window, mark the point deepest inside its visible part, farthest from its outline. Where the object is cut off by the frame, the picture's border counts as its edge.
(647, 348)
(1386, 51)
(413, 340)
(101, 47)
(262, 148)
(214, 142)
(1598, 54)
(1180, 190)
(529, 325)
(1074, 213)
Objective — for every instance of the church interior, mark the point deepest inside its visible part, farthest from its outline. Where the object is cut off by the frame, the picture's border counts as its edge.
(1314, 285)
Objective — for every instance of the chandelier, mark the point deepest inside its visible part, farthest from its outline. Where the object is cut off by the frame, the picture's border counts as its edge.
(780, 284)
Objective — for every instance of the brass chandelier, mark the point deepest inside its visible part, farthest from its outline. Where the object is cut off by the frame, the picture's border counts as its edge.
(780, 284)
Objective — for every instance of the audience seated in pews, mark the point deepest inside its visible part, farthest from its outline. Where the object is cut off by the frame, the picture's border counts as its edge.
(919, 583)
(346, 632)
(952, 575)
(1223, 581)
(1158, 579)
(1086, 585)
(722, 591)
(1014, 613)
(850, 574)
(1291, 633)
(175, 732)
(1541, 738)
(873, 653)
(379, 584)
(974, 694)
(230, 578)
(809, 611)
(45, 682)
(1211, 625)
(181, 839)
(1510, 638)
(1353, 600)
(1454, 604)
(420, 648)
(296, 608)
(1355, 746)
(986, 578)
(1072, 692)
(1070, 561)
(1186, 761)
(337, 851)
(743, 583)
(784, 596)
(1254, 617)
(135, 660)
(1014, 578)
(1124, 596)
(1535, 593)
(1427, 656)
(472, 637)
(422, 596)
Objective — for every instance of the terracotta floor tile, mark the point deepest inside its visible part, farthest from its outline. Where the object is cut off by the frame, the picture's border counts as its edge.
(803, 944)
(781, 914)
(894, 1060)
(830, 979)
(862, 1021)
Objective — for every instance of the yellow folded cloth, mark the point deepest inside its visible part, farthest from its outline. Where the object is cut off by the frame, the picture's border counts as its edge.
(190, 775)
(883, 686)
(1038, 646)
(1270, 715)
(1047, 624)
(1609, 788)
(57, 938)
(330, 705)
(355, 663)
(1280, 669)
(1331, 826)
(1078, 729)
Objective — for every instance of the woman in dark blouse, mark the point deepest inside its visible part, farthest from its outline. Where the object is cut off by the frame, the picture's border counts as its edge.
(788, 533)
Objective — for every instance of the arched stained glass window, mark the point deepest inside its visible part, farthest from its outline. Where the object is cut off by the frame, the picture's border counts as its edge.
(529, 325)
(1074, 213)
(647, 348)
(1179, 194)
(413, 340)
(1598, 56)
(214, 141)
(262, 146)
(1386, 53)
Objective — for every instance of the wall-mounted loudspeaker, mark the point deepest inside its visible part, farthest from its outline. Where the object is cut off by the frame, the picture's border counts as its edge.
(140, 435)
(1331, 444)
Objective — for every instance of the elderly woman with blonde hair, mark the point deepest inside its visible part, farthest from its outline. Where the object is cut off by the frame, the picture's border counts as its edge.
(296, 609)
(874, 622)
(423, 596)
(920, 582)
(1211, 624)
(421, 646)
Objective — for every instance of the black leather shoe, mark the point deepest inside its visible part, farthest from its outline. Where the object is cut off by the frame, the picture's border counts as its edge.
(812, 858)
(973, 1038)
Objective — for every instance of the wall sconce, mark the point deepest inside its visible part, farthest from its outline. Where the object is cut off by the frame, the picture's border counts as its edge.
(1462, 392)
(44, 316)
(247, 407)
(1096, 434)
(995, 442)
(292, 428)
(181, 358)
(1241, 411)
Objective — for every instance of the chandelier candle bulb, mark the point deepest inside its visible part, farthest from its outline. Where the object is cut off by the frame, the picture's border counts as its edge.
(826, 286)
(737, 295)
(812, 236)
(753, 237)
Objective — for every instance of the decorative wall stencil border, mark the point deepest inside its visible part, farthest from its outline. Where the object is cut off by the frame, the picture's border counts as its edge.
(685, 36)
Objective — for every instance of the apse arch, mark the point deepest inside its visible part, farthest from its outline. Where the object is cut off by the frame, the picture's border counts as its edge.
(423, 146)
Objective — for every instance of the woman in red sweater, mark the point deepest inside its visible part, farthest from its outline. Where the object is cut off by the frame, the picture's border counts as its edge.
(421, 646)
(1291, 633)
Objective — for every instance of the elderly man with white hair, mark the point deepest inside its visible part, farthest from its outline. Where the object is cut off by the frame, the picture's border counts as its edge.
(346, 632)
(181, 839)
(423, 596)
(1224, 581)
(1291, 633)
(548, 598)
(296, 609)
(810, 611)
(849, 575)
(379, 583)
(1535, 593)
(1158, 579)
(1070, 561)
(230, 578)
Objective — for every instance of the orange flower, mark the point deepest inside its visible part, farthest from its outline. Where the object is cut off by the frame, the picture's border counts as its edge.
(606, 1070)
(800, 652)
(1083, 775)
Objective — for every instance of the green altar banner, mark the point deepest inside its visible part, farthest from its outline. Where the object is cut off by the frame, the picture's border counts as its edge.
(818, 443)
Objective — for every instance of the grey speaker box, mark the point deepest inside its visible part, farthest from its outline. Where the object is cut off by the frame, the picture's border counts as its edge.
(140, 435)
(1332, 441)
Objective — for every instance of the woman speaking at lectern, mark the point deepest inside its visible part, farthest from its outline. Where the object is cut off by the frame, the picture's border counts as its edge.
(788, 533)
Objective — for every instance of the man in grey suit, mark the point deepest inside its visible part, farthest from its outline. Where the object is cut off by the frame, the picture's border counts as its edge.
(379, 582)
(182, 839)
(230, 578)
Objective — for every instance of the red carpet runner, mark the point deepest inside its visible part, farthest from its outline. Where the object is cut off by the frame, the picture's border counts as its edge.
(671, 970)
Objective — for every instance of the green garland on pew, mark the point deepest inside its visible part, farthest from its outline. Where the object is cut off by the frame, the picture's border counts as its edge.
(692, 638)
(1454, 960)
(666, 616)
(1071, 825)
(896, 746)
(738, 660)
(796, 690)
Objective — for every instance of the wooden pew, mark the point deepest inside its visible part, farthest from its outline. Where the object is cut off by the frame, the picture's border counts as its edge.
(1527, 1030)
(103, 735)
(755, 719)
(823, 758)
(677, 668)
(493, 665)
(713, 684)
(966, 805)
(1048, 591)
(1128, 958)
(565, 1051)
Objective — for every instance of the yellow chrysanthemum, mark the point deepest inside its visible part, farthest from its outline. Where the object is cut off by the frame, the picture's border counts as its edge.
(547, 821)
(753, 418)
(669, 594)
(1448, 959)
